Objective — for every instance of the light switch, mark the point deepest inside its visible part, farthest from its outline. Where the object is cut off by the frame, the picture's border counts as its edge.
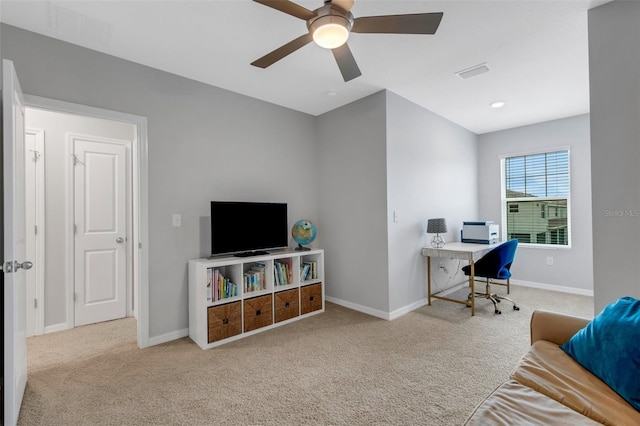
(177, 220)
(396, 218)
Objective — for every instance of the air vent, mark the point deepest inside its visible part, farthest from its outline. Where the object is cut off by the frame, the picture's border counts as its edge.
(76, 27)
(473, 71)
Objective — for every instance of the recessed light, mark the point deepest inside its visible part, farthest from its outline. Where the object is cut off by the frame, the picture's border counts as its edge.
(497, 104)
(331, 93)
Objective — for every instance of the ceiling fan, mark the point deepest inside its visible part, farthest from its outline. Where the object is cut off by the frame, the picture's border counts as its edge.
(329, 26)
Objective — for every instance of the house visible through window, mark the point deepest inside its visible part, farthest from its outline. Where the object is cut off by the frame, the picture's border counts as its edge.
(535, 198)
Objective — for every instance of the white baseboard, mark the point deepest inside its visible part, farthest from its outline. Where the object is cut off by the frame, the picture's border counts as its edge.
(57, 327)
(360, 308)
(389, 316)
(406, 309)
(168, 337)
(553, 287)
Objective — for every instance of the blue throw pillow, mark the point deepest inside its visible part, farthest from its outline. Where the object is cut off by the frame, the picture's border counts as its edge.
(609, 347)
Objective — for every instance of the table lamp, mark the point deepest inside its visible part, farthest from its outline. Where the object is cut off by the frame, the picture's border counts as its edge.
(437, 226)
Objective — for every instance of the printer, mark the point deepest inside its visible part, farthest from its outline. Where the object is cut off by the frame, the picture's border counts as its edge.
(479, 232)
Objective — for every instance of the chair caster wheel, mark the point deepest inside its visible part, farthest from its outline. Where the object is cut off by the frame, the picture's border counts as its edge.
(498, 300)
(516, 308)
(498, 312)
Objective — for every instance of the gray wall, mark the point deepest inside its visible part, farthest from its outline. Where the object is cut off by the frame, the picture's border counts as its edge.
(353, 202)
(614, 68)
(572, 266)
(205, 143)
(431, 172)
(379, 155)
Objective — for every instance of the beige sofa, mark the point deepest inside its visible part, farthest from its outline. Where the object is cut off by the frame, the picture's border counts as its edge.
(548, 387)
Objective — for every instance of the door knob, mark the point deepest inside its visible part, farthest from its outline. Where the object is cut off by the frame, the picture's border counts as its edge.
(119, 240)
(24, 265)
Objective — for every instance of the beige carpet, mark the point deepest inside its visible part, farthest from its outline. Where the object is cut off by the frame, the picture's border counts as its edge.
(429, 367)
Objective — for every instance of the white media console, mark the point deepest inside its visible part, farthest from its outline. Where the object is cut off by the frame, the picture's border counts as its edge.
(234, 297)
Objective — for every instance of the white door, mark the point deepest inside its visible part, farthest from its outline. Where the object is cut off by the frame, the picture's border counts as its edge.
(15, 344)
(100, 214)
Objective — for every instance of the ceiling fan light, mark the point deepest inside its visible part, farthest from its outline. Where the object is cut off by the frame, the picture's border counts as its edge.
(331, 35)
(331, 28)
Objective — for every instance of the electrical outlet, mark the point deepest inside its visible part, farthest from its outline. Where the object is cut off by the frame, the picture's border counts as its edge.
(549, 261)
(176, 220)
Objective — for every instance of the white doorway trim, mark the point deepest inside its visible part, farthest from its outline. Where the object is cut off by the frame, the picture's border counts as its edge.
(140, 237)
(35, 186)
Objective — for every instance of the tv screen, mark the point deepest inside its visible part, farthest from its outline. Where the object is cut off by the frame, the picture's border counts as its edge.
(247, 227)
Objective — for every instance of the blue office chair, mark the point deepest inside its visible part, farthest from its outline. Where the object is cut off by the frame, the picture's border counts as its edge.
(495, 265)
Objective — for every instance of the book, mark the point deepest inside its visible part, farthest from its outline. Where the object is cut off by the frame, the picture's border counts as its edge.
(222, 287)
(281, 273)
(309, 271)
(305, 269)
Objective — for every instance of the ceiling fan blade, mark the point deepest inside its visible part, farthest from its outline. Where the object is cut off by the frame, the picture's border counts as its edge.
(419, 23)
(289, 8)
(346, 62)
(282, 51)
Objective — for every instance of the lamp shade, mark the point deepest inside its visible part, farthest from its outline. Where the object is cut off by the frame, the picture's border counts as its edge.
(436, 226)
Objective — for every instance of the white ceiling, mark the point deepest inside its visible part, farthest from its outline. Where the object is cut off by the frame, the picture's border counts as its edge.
(536, 51)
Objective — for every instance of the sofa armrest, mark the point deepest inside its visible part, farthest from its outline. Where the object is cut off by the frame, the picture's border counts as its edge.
(554, 327)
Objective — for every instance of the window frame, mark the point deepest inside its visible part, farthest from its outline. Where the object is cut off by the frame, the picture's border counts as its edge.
(504, 200)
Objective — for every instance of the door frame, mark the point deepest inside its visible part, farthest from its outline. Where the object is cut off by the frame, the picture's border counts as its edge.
(140, 197)
(130, 285)
(37, 313)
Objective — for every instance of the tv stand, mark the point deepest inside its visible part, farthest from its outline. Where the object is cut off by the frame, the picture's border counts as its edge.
(252, 253)
(232, 297)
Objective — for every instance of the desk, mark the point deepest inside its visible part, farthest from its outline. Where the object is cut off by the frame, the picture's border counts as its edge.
(463, 251)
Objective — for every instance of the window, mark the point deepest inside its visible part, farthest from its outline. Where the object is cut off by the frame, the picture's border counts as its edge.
(535, 198)
(522, 238)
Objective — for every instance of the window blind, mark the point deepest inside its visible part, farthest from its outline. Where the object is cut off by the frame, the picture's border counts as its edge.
(536, 198)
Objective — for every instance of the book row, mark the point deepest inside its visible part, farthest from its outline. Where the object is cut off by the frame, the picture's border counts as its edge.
(308, 271)
(218, 286)
(282, 272)
(254, 279)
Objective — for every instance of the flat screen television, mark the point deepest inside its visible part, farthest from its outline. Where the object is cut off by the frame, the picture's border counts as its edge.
(248, 228)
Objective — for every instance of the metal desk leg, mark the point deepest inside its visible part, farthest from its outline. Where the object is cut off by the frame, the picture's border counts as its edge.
(429, 280)
(473, 291)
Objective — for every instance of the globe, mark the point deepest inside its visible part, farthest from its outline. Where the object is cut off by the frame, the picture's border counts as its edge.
(303, 232)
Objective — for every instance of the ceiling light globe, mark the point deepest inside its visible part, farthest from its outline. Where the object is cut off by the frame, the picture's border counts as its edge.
(331, 35)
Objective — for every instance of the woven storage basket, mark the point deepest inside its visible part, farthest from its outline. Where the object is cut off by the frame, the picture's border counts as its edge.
(258, 312)
(287, 304)
(310, 298)
(224, 321)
